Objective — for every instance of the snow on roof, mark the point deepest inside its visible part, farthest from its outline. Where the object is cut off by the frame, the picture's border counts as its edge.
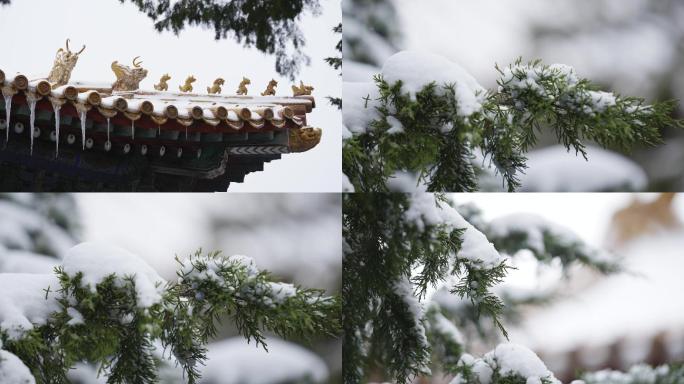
(603, 171)
(234, 361)
(97, 261)
(254, 110)
(24, 301)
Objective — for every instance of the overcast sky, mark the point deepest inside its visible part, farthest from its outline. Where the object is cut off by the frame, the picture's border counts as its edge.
(115, 31)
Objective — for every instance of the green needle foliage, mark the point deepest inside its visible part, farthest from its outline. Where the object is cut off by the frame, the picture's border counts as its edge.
(440, 145)
(382, 249)
(270, 26)
(336, 63)
(399, 246)
(106, 325)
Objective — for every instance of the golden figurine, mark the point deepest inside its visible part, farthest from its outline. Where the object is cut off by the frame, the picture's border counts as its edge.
(216, 87)
(270, 89)
(65, 61)
(187, 87)
(163, 86)
(303, 139)
(128, 78)
(242, 88)
(302, 90)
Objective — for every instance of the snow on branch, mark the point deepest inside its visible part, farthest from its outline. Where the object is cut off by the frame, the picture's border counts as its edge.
(398, 246)
(546, 240)
(426, 116)
(507, 363)
(108, 307)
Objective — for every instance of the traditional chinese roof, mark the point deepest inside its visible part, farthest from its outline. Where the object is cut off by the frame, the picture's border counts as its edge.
(186, 134)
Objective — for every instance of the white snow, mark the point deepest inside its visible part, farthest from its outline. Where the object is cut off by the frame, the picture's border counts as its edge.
(417, 69)
(234, 361)
(360, 102)
(445, 327)
(280, 292)
(347, 186)
(13, 370)
(508, 360)
(13, 261)
(406, 182)
(25, 303)
(355, 71)
(554, 169)
(534, 226)
(513, 359)
(86, 374)
(98, 260)
(602, 100)
(395, 125)
(404, 289)
(75, 315)
(426, 211)
(16, 222)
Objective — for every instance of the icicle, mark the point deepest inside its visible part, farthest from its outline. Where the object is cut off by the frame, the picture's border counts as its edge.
(32, 118)
(8, 108)
(108, 129)
(56, 108)
(133, 129)
(83, 127)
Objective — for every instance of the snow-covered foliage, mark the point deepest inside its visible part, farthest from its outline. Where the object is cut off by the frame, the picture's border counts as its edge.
(25, 303)
(107, 307)
(546, 239)
(425, 115)
(92, 263)
(233, 361)
(416, 70)
(360, 107)
(425, 212)
(396, 248)
(402, 248)
(507, 363)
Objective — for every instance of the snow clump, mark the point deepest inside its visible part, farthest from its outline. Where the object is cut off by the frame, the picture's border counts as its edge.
(98, 261)
(417, 69)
